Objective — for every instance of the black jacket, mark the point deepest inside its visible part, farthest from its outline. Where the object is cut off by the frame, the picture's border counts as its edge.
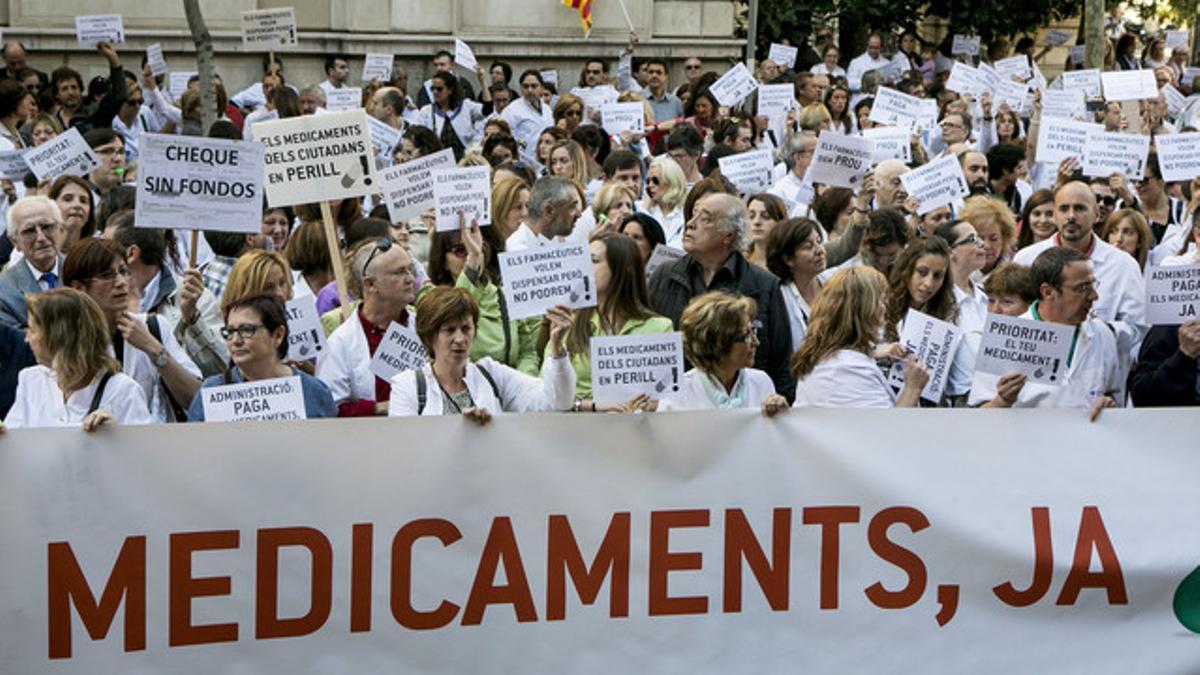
(671, 290)
(15, 355)
(1164, 375)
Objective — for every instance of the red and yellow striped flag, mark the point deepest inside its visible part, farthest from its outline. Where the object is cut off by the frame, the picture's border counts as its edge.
(585, 13)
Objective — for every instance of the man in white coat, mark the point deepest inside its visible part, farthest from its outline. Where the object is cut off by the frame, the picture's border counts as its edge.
(554, 206)
(528, 115)
(872, 59)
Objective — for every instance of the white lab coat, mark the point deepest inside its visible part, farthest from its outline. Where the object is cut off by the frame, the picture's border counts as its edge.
(798, 313)
(555, 390)
(139, 365)
(692, 394)
(346, 366)
(672, 223)
(972, 316)
(39, 401)
(527, 125)
(845, 379)
(467, 123)
(862, 64)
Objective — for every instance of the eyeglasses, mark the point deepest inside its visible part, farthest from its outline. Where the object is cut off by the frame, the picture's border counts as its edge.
(692, 66)
(105, 152)
(1108, 200)
(458, 251)
(654, 180)
(382, 245)
(1085, 288)
(30, 233)
(111, 275)
(246, 330)
(749, 337)
(436, 87)
(969, 240)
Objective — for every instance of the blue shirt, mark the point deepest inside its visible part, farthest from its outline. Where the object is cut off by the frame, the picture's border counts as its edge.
(318, 402)
(666, 108)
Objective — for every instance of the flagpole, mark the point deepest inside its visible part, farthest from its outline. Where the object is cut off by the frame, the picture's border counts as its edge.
(752, 34)
(625, 11)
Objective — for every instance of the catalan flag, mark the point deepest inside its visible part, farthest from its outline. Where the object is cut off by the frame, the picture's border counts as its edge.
(585, 13)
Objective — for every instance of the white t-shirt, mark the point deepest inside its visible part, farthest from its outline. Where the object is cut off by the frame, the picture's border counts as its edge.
(39, 401)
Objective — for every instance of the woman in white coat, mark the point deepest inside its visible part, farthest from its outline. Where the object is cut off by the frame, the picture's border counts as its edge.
(451, 384)
(457, 122)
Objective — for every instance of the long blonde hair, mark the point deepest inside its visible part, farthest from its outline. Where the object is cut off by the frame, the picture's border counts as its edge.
(846, 315)
(505, 195)
(578, 158)
(74, 333)
(249, 275)
(674, 183)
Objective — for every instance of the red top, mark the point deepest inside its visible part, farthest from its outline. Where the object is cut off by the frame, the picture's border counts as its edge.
(383, 388)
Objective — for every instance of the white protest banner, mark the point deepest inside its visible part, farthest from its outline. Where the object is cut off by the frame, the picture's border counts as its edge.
(1172, 294)
(1129, 85)
(1037, 349)
(1190, 75)
(890, 143)
(1059, 139)
(991, 79)
(378, 67)
(177, 83)
(1011, 94)
(662, 255)
(624, 366)
(934, 343)
(550, 77)
(617, 118)
(280, 398)
(1174, 98)
(965, 45)
(898, 109)
(936, 184)
(784, 55)
(67, 154)
(267, 29)
(463, 56)
(965, 79)
(736, 84)
(537, 279)
(154, 59)
(1077, 54)
(408, 187)
(466, 190)
(1107, 153)
(1057, 38)
(306, 337)
(180, 177)
(1087, 81)
(400, 350)
(776, 99)
(343, 98)
(1067, 104)
(1178, 156)
(1176, 39)
(749, 171)
(96, 28)
(384, 137)
(316, 158)
(840, 160)
(1014, 67)
(13, 165)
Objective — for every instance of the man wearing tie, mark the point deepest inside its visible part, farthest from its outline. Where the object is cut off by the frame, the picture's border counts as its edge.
(35, 229)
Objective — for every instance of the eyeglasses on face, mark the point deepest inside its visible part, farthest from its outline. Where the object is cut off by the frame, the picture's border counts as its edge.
(31, 232)
(246, 331)
(969, 240)
(382, 245)
(436, 88)
(111, 275)
(749, 337)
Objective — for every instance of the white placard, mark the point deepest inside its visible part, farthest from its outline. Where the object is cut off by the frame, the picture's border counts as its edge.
(1011, 94)
(315, 158)
(890, 143)
(1129, 85)
(267, 29)
(775, 99)
(1107, 153)
(1178, 156)
(1059, 139)
(624, 366)
(378, 66)
(749, 171)
(736, 84)
(1174, 98)
(595, 98)
(965, 45)
(1172, 294)
(177, 83)
(96, 28)
(1057, 38)
(1036, 349)
(967, 80)
(399, 350)
(1086, 81)
(13, 165)
(550, 77)
(1175, 39)
(181, 177)
(662, 255)
(154, 59)
(1014, 67)
(840, 160)
(1077, 54)
(280, 398)
(936, 184)
(466, 190)
(621, 117)
(67, 154)
(898, 109)
(343, 98)
(464, 57)
(537, 279)
(384, 137)
(306, 336)
(1189, 77)
(408, 187)
(784, 55)
(1066, 104)
(934, 343)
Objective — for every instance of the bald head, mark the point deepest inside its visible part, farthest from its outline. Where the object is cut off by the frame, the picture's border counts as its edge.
(14, 56)
(889, 191)
(1075, 214)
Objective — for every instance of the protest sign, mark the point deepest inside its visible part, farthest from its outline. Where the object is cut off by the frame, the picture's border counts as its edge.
(408, 187)
(464, 57)
(1172, 294)
(617, 118)
(154, 59)
(967, 80)
(13, 165)
(344, 98)
(840, 160)
(317, 158)
(550, 77)
(540, 278)
(1036, 349)
(749, 171)
(1065, 104)
(268, 29)
(662, 255)
(384, 137)
(898, 109)
(890, 143)
(1107, 153)
(306, 337)
(1176, 39)
(1077, 54)
(1057, 38)
(378, 66)
(965, 45)
(177, 83)
(180, 177)
(1178, 156)
(1086, 81)
(1014, 67)
(624, 366)
(280, 398)
(1059, 139)
(595, 98)
(894, 70)
(466, 190)
(775, 99)
(1129, 85)
(400, 350)
(1011, 94)
(736, 84)
(1190, 75)
(67, 154)
(96, 28)
(934, 343)
(936, 184)
(1174, 98)
(784, 55)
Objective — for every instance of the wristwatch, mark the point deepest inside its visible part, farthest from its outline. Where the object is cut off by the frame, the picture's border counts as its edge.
(161, 359)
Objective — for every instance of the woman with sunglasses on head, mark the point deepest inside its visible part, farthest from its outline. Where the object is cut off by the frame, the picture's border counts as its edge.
(256, 331)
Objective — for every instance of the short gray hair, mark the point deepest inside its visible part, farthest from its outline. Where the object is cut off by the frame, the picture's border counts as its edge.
(794, 145)
(732, 216)
(552, 190)
(26, 203)
(314, 89)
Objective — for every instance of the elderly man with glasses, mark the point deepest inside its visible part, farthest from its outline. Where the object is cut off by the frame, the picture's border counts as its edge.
(35, 229)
